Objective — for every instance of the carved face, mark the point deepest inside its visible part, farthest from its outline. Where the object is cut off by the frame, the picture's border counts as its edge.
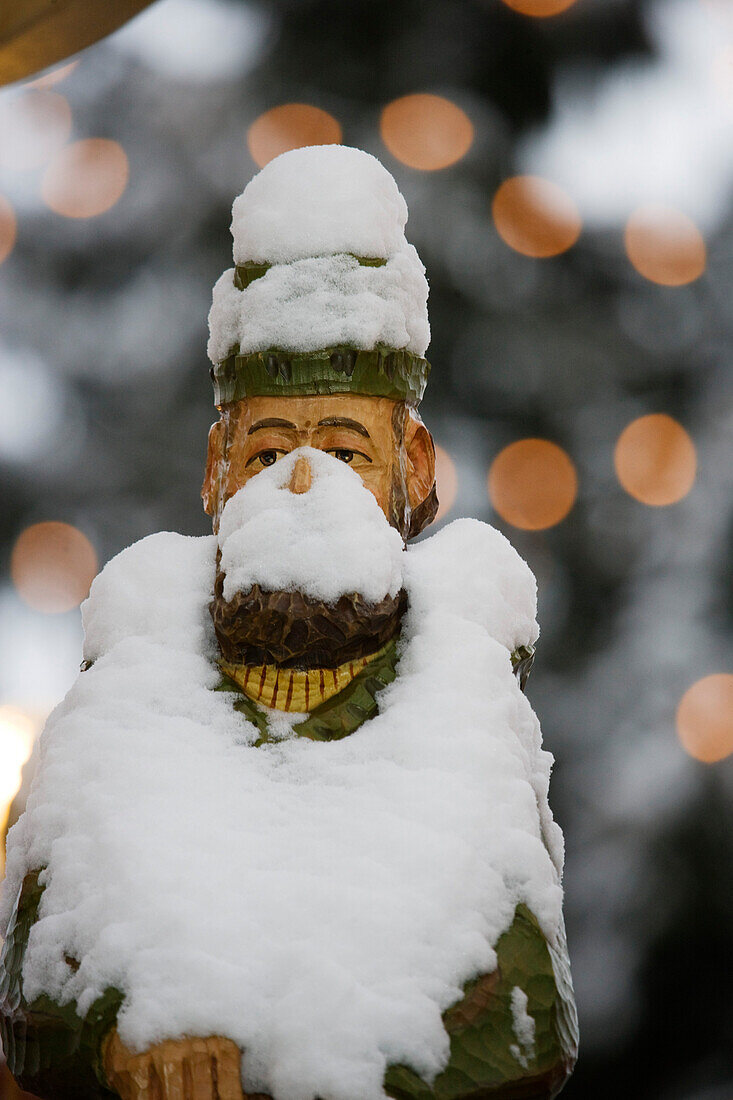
(384, 441)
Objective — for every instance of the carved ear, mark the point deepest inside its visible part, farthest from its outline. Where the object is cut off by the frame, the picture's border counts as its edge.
(420, 451)
(211, 488)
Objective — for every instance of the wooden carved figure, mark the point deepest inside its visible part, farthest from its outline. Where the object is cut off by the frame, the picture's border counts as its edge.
(289, 836)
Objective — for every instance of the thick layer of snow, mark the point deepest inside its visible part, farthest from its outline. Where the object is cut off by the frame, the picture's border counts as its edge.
(309, 213)
(328, 541)
(321, 303)
(319, 201)
(319, 903)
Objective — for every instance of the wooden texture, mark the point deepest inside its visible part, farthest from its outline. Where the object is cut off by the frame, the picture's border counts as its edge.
(178, 1069)
(292, 630)
(37, 33)
(382, 440)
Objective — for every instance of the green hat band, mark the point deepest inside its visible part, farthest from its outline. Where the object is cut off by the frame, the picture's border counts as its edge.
(246, 273)
(380, 372)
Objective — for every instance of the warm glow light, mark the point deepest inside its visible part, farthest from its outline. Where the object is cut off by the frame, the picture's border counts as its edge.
(533, 484)
(33, 126)
(446, 481)
(86, 178)
(17, 733)
(535, 217)
(52, 566)
(290, 126)
(665, 246)
(53, 77)
(426, 131)
(8, 228)
(540, 8)
(655, 460)
(705, 718)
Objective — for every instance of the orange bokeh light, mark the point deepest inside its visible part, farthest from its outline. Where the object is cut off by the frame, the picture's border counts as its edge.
(705, 718)
(86, 178)
(655, 460)
(426, 131)
(52, 566)
(540, 8)
(446, 481)
(290, 126)
(533, 484)
(665, 246)
(33, 126)
(535, 217)
(8, 228)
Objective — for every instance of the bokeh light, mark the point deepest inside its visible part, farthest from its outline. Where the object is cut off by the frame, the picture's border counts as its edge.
(705, 718)
(53, 76)
(426, 131)
(86, 178)
(535, 217)
(665, 246)
(18, 730)
(33, 126)
(52, 566)
(655, 460)
(540, 8)
(8, 228)
(446, 481)
(290, 126)
(533, 484)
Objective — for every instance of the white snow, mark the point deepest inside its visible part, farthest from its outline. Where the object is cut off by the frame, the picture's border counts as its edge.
(323, 302)
(324, 543)
(321, 904)
(523, 1026)
(650, 131)
(319, 201)
(310, 213)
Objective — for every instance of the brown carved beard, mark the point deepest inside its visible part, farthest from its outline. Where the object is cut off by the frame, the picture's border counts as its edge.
(293, 630)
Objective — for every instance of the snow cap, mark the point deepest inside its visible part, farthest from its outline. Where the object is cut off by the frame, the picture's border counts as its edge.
(327, 296)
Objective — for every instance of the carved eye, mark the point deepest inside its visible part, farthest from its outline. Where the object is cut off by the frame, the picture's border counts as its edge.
(266, 458)
(344, 456)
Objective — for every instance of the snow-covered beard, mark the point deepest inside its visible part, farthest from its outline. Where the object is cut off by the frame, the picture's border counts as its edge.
(308, 579)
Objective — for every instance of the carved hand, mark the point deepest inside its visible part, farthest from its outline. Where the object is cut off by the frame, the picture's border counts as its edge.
(180, 1069)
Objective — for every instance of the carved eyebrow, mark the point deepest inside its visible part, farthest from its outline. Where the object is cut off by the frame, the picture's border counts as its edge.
(272, 422)
(343, 422)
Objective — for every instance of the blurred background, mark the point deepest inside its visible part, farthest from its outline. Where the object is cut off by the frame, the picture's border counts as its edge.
(568, 166)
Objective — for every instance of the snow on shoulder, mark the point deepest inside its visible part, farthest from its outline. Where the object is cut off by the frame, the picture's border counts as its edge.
(312, 216)
(321, 904)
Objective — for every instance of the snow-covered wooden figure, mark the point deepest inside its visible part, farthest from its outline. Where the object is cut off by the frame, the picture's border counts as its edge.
(289, 835)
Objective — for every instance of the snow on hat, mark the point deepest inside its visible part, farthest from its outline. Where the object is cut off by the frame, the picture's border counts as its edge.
(327, 296)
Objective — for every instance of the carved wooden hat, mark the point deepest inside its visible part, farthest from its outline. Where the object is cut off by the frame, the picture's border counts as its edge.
(326, 295)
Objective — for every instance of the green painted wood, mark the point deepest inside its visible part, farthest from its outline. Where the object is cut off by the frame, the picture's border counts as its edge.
(340, 715)
(482, 1062)
(50, 1050)
(381, 372)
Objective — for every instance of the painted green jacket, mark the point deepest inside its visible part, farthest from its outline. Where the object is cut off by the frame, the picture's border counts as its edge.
(56, 1054)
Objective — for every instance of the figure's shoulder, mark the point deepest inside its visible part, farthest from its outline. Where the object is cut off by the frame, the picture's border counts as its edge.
(154, 587)
(474, 570)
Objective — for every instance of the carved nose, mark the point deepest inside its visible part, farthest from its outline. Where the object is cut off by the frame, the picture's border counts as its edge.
(300, 481)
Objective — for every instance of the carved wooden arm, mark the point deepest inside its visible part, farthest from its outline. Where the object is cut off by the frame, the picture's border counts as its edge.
(178, 1069)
